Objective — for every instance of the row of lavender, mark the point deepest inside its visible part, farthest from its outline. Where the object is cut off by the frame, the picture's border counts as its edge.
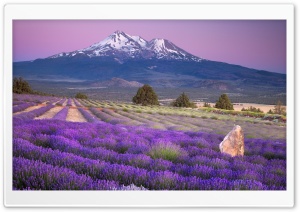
(54, 154)
(267, 149)
(30, 100)
(22, 106)
(34, 98)
(165, 122)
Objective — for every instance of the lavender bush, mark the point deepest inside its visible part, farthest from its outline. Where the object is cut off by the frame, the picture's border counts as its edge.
(16, 102)
(60, 102)
(77, 103)
(32, 114)
(88, 116)
(62, 114)
(34, 98)
(23, 106)
(147, 158)
(69, 102)
(122, 150)
(36, 175)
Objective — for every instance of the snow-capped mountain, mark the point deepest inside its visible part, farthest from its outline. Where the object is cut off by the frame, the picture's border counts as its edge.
(122, 60)
(122, 46)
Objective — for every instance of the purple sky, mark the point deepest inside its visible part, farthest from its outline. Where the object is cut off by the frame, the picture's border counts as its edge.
(254, 44)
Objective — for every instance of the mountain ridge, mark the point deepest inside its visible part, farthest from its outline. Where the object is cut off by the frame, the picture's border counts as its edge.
(123, 46)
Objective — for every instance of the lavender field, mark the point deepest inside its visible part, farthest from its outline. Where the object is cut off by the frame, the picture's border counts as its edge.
(71, 144)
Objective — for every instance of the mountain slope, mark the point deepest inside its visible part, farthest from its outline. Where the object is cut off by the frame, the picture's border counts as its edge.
(118, 83)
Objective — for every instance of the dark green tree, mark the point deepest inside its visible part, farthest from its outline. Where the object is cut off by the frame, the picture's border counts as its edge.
(81, 96)
(145, 96)
(183, 101)
(224, 103)
(21, 86)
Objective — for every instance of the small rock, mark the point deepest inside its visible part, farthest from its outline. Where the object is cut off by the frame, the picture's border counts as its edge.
(233, 143)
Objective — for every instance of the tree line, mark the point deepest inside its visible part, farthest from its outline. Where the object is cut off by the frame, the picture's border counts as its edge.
(146, 96)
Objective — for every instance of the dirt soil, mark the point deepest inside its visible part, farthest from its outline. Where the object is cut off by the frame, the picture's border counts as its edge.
(75, 116)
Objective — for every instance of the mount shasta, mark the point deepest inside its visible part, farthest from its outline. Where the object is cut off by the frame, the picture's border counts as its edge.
(158, 62)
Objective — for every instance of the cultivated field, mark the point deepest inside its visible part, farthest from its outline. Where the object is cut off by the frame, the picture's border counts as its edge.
(71, 144)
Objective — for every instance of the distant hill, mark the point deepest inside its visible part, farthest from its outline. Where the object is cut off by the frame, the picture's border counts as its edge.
(118, 83)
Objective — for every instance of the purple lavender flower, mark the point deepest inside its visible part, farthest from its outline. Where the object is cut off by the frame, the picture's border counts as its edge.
(58, 155)
(62, 114)
(35, 175)
(23, 106)
(89, 117)
(69, 102)
(32, 114)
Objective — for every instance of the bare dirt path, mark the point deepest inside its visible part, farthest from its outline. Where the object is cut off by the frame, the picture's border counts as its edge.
(75, 116)
(50, 113)
(54, 103)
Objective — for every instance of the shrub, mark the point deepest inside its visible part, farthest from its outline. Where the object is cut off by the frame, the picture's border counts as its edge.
(183, 101)
(280, 109)
(224, 103)
(252, 109)
(21, 86)
(250, 136)
(166, 151)
(207, 105)
(81, 96)
(145, 96)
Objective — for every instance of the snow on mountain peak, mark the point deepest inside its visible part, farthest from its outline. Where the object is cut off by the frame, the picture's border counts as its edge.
(157, 44)
(140, 40)
(121, 46)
